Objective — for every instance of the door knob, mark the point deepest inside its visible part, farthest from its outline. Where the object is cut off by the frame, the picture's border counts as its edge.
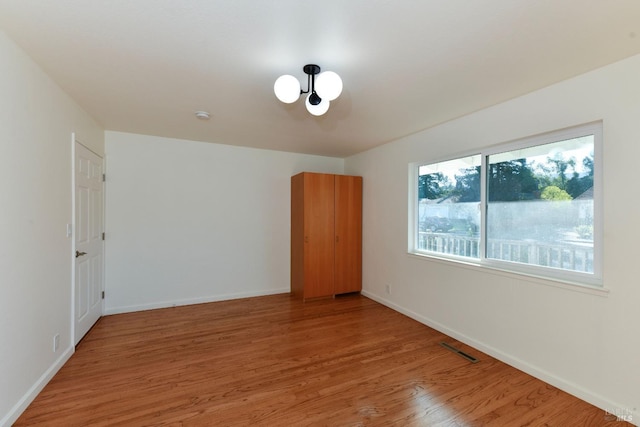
(78, 254)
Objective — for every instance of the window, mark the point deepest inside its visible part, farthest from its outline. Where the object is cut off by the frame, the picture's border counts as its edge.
(449, 207)
(529, 206)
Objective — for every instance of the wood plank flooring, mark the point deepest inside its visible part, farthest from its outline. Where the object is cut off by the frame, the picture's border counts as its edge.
(275, 361)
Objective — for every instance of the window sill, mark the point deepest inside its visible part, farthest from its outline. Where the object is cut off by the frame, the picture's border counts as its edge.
(490, 269)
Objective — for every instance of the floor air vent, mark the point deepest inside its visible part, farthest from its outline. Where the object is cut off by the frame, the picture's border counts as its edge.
(459, 352)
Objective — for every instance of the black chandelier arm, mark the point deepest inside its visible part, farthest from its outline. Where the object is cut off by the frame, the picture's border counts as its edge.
(311, 70)
(310, 84)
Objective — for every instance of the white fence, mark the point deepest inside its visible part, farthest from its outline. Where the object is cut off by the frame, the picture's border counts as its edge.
(563, 255)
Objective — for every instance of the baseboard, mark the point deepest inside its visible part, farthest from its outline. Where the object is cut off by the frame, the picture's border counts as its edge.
(36, 388)
(190, 301)
(629, 414)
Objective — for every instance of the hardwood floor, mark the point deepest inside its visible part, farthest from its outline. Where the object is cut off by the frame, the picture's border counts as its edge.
(275, 361)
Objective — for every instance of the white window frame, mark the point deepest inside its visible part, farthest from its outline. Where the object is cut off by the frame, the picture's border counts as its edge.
(592, 280)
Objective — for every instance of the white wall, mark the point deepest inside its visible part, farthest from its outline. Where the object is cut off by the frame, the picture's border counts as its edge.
(36, 123)
(585, 343)
(190, 222)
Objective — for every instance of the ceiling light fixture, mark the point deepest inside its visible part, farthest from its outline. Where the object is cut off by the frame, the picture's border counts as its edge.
(322, 89)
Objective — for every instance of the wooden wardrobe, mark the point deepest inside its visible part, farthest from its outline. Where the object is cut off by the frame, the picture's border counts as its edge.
(326, 234)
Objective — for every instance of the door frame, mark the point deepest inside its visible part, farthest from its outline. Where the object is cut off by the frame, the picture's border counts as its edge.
(71, 233)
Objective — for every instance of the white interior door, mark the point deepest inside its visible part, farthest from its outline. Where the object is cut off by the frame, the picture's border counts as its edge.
(89, 226)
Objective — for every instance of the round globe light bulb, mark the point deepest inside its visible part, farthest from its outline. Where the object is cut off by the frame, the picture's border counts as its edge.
(328, 85)
(287, 89)
(317, 110)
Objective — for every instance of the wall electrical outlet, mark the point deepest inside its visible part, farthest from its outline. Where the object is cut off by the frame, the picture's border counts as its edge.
(387, 289)
(56, 342)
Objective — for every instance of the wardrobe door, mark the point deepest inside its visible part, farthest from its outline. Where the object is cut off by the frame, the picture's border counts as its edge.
(319, 231)
(297, 235)
(348, 234)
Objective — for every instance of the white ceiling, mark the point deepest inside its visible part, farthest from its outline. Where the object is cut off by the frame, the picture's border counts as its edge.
(145, 66)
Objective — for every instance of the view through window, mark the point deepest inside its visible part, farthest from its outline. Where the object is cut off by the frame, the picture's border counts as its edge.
(537, 203)
(449, 207)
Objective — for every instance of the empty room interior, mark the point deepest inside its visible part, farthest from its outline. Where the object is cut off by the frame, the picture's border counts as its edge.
(341, 212)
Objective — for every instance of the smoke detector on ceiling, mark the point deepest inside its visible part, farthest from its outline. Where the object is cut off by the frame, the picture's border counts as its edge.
(203, 115)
